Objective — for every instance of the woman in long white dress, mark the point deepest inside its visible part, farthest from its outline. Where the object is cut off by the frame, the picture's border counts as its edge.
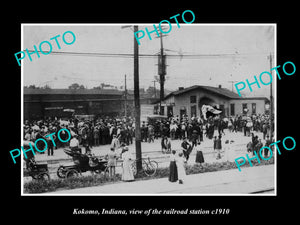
(127, 173)
(180, 168)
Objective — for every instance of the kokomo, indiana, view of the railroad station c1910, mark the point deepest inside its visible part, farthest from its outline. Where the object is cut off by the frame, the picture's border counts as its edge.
(159, 118)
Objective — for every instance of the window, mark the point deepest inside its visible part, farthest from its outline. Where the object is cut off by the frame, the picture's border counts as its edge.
(193, 111)
(182, 112)
(232, 112)
(162, 110)
(193, 99)
(253, 108)
(245, 108)
(169, 111)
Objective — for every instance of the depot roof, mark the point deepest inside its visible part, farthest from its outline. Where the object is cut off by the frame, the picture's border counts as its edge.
(217, 90)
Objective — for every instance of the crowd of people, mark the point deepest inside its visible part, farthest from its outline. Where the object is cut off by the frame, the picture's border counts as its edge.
(118, 133)
(90, 133)
(120, 130)
(192, 133)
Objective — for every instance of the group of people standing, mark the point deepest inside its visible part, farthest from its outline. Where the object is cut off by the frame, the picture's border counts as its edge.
(89, 133)
(127, 172)
(178, 161)
(119, 133)
(256, 144)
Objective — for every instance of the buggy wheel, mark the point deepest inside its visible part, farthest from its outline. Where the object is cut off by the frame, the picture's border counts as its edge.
(150, 168)
(61, 172)
(43, 176)
(72, 173)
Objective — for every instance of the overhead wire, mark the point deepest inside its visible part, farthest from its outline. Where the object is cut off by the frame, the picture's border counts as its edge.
(170, 56)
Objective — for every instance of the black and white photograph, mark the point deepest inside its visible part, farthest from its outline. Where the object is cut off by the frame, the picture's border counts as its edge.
(159, 109)
(145, 112)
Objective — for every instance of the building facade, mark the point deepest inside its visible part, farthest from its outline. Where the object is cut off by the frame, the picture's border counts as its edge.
(189, 101)
(41, 103)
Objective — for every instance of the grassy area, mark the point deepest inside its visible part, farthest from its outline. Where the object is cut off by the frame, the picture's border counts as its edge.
(96, 180)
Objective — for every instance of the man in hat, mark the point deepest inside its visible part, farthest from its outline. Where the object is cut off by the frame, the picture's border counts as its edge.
(50, 143)
(96, 134)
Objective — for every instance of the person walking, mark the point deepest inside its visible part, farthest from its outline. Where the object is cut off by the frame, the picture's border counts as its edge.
(186, 148)
(173, 174)
(165, 145)
(127, 173)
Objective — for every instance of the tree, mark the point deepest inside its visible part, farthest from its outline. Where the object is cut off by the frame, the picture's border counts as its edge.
(152, 92)
(76, 86)
(46, 87)
(32, 86)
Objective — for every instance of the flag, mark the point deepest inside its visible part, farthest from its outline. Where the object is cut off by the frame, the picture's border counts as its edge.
(209, 108)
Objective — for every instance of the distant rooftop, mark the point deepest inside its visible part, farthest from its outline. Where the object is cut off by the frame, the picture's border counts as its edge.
(33, 91)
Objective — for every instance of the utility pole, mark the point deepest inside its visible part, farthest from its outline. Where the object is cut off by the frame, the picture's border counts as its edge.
(138, 147)
(161, 72)
(137, 112)
(271, 97)
(125, 107)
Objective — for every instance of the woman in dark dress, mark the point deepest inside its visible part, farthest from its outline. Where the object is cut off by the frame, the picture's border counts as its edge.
(173, 175)
(199, 155)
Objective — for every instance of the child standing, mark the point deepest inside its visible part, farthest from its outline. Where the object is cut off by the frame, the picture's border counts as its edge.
(218, 146)
(112, 162)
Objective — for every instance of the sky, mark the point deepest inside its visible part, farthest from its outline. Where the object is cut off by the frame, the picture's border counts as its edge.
(222, 53)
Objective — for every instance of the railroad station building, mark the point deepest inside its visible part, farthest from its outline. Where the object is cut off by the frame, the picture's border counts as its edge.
(189, 101)
(40, 103)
